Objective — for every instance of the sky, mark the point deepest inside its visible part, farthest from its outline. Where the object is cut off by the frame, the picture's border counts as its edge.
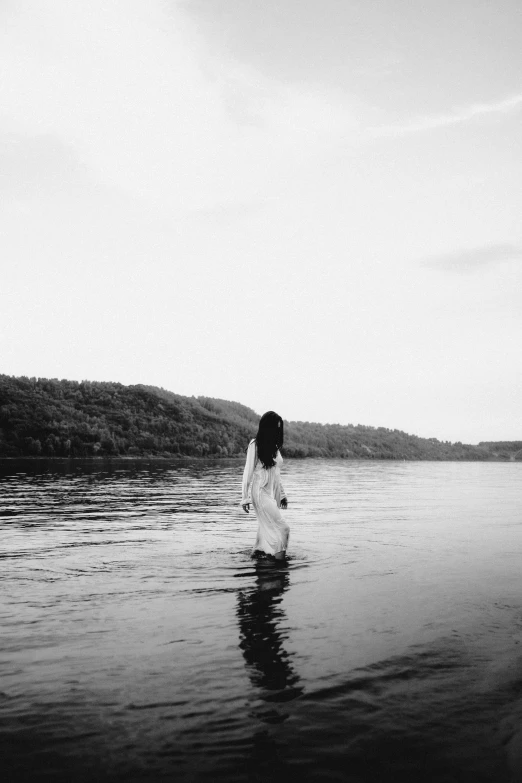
(308, 206)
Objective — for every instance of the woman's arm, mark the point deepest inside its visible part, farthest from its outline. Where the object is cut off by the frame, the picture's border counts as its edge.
(248, 472)
(284, 499)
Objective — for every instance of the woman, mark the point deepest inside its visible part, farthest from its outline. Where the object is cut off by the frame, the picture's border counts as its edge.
(261, 477)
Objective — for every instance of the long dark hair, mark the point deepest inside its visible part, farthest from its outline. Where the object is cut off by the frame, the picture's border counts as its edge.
(269, 438)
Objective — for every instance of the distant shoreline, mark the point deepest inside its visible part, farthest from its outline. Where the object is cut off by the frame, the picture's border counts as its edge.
(235, 458)
(59, 419)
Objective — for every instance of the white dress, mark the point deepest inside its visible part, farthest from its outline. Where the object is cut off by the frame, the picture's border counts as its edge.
(264, 487)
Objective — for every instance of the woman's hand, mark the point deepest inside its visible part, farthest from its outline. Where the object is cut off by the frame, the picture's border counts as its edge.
(284, 503)
(246, 508)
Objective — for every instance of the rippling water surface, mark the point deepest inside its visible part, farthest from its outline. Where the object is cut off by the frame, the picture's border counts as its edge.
(140, 641)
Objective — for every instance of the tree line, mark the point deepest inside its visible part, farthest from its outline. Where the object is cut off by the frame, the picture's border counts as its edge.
(42, 417)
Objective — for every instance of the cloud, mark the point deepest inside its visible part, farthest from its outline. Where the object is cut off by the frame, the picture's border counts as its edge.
(465, 114)
(475, 258)
(38, 164)
(132, 90)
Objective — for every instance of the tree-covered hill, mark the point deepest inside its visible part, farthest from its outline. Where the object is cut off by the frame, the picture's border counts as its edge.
(41, 417)
(504, 450)
(67, 418)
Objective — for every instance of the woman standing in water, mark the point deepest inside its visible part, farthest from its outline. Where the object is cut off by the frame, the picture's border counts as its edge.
(261, 476)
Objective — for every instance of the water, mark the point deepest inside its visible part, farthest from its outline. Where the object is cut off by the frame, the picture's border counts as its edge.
(139, 641)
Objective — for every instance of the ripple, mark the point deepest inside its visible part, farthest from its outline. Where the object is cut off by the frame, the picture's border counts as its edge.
(141, 640)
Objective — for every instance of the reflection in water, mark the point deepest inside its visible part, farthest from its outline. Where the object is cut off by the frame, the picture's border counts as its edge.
(260, 621)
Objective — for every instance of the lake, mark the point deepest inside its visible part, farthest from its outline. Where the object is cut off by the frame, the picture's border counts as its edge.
(140, 641)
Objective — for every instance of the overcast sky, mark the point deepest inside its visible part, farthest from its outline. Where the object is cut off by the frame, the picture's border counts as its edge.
(311, 206)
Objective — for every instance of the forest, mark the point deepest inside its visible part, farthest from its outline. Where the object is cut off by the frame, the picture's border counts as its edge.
(42, 417)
